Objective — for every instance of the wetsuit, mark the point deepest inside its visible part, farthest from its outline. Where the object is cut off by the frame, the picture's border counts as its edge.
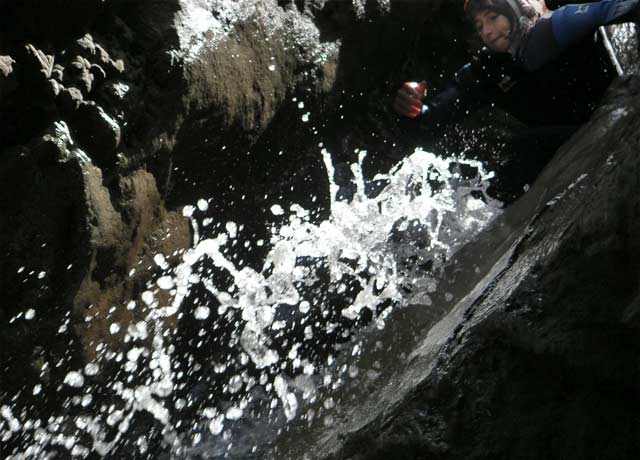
(563, 91)
(552, 85)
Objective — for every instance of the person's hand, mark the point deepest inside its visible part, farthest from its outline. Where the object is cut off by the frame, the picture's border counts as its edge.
(408, 101)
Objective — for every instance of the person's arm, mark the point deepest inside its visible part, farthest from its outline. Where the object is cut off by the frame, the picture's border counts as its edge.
(572, 23)
(556, 33)
(463, 94)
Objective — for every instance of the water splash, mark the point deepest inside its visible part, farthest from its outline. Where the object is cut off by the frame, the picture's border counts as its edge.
(318, 281)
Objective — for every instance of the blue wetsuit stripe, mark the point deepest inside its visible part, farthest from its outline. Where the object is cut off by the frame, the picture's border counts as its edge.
(573, 22)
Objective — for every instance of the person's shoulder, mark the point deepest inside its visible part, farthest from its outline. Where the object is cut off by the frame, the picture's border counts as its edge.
(538, 46)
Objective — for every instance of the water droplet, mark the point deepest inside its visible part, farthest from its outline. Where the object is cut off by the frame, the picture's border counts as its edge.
(304, 307)
(203, 205)
(74, 379)
(233, 413)
(160, 261)
(277, 210)
(201, 313)
(91, 369)
(216, 425)
(232, 229)
(329, 403)
(165, 283)
(148, 298)
(235, 384)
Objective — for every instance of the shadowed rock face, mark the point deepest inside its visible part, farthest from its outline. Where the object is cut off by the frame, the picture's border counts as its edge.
(57, 20)
(540, 358)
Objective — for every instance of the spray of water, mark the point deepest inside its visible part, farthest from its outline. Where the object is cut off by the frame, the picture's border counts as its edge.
(372, 255)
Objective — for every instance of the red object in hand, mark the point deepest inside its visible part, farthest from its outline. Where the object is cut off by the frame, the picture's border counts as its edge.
(408, 101)
(421, 90)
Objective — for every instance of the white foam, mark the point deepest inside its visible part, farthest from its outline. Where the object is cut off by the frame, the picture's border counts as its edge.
(361, 241)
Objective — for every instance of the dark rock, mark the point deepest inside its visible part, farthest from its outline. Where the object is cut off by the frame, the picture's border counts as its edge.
(102, 57)
(97, 133)
(84, 47)
(62, 223)
(69, 99)
(116, 67)
(47, 212)
(35, 63)
(90, 56)
(78, 73)
(29, 102)
(7, 82)
(6, 66)
(113, 67)
(123, 30)
(54, 88)
(240, 83)
(98, 74)
(58, 73)
(115, 93)
(55, 20)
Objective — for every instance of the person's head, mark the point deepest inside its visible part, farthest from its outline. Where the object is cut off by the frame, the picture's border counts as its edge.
(502, 23)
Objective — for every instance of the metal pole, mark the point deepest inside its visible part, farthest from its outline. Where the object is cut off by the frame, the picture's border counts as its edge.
(612, 53)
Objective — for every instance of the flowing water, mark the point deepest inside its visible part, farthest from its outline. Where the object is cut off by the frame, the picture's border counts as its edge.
(265, 339)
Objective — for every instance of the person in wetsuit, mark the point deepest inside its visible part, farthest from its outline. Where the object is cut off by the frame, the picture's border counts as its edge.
(543, 67)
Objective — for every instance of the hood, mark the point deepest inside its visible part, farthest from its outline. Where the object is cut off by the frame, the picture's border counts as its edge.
(522, 14)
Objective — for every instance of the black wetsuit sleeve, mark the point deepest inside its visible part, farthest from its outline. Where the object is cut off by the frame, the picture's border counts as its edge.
(571, 23)
(465, 93)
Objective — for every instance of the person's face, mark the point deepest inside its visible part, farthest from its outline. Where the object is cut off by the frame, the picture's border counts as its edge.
(494, 30)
